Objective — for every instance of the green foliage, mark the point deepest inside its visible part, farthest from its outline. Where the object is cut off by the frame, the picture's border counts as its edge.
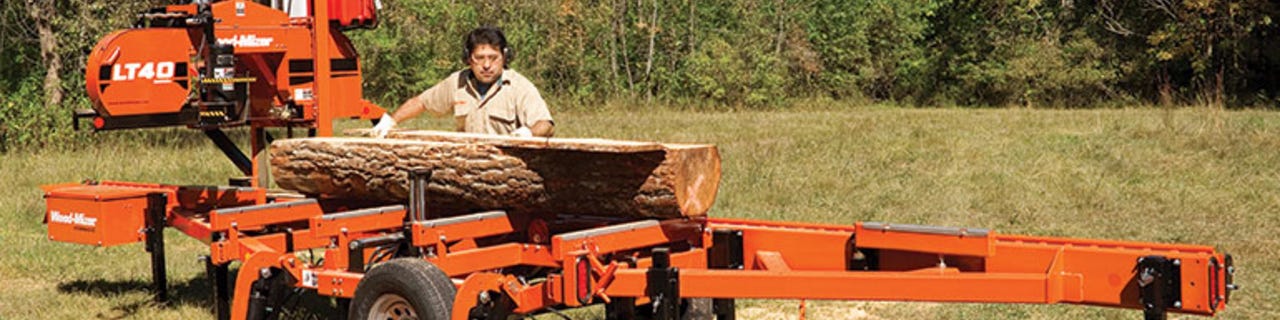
(414, 46)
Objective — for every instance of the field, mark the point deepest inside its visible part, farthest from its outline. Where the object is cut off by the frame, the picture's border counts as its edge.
(1189, 175)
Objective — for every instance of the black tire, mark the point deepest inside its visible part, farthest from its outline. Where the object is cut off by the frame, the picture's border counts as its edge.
(404, 288)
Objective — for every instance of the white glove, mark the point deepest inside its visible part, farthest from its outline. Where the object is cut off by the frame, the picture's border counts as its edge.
(384, 126)
(523, 132)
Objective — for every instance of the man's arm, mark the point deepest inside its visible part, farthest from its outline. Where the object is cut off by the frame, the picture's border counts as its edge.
(437, 96)
(534, 109)
(407, 110)
(544, 129)
(411, 107)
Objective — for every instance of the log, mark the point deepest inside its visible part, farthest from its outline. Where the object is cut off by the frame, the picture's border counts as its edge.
(522, 175)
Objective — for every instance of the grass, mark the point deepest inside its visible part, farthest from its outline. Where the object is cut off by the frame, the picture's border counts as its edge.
(1188, 176)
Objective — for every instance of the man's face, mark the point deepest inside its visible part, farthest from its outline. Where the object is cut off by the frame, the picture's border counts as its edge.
(486, 63)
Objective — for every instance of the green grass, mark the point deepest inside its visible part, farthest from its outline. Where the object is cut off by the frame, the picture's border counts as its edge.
(1188, 176)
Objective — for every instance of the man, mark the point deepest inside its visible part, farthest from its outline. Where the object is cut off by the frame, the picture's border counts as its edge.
(484, 98)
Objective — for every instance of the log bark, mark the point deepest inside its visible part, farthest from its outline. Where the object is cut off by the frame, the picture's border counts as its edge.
(522, 175)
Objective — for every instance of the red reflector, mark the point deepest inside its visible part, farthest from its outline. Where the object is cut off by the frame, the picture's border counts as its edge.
(365, 110)
(584, 281)
(98, 122)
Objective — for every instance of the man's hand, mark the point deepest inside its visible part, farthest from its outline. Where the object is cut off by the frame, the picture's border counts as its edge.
(523, 132)
(384, 126)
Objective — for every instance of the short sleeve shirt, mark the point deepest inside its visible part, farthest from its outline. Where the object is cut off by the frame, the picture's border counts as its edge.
(511, 103)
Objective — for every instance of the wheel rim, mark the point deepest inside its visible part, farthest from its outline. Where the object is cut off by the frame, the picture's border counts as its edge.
(392, 307)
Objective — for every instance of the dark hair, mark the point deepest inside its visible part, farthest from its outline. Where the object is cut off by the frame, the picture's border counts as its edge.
(489, 35)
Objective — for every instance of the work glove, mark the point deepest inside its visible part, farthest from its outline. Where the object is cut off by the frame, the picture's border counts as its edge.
(384, 126)
(523, 132)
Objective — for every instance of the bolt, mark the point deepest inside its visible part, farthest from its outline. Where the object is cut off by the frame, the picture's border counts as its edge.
(1177, 304)
(1177, 262)
(343, 230)
(265, 272)
(234, 224)
(353, 244)
(484, 297)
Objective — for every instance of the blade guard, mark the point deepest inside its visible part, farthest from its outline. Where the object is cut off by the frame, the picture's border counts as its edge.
(140, 73)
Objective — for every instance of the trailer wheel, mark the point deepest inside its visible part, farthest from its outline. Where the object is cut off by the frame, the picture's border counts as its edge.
(405, 288)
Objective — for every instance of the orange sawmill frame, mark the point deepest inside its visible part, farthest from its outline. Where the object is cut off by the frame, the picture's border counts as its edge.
(624, 264)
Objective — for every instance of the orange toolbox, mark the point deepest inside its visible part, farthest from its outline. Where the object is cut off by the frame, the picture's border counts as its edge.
(98, 214)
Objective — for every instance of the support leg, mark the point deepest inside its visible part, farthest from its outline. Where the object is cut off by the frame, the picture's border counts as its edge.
(725, 253)
(1159, 279)
(664, 286)
(221, 289)
(157, 207)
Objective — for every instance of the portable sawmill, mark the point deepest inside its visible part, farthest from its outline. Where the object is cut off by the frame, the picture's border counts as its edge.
(219, 64)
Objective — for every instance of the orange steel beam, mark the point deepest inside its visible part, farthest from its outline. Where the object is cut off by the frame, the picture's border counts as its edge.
(322, 38)
(251, 217)
(804, 248)
(633, 235)
(439, 231)
(493, 257)
(960, 241)
(357, 221)
(906, 286)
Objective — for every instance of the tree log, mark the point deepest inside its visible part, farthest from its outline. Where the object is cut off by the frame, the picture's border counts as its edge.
(522, 175)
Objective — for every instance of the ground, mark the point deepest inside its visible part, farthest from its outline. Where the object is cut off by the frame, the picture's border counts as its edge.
(1199, 176)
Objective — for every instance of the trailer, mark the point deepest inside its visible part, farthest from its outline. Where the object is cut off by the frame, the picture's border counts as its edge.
(399, 262)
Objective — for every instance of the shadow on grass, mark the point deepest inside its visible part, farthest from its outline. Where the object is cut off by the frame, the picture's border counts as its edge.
(197, 292)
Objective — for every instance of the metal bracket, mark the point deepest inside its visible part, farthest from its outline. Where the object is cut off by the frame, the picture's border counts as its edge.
(418, 180)
(664, 286)
(1159, 285)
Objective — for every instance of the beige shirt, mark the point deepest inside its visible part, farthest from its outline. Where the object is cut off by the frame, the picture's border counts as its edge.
(511, 103)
